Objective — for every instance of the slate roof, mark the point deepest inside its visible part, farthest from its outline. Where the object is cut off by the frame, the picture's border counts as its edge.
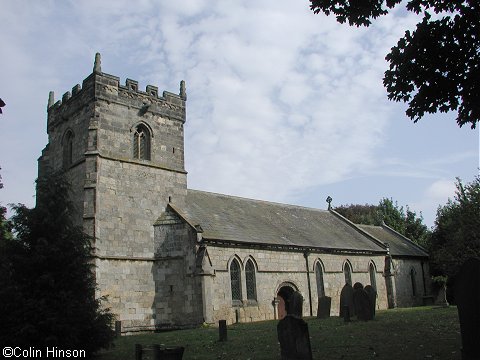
(399, 244)
(240, 220)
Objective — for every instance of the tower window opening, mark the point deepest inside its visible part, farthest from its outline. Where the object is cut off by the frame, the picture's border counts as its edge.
(68, 149)
(141, 143)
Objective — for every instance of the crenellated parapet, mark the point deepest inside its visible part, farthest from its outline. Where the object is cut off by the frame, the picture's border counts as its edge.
(102, 86)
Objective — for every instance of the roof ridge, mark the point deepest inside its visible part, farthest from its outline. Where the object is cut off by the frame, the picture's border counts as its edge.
(369, 225)
(258, 200)
(388, 228)
(378, 242)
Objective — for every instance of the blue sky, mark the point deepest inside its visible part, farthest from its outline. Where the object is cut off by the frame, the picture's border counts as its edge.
(283, 105)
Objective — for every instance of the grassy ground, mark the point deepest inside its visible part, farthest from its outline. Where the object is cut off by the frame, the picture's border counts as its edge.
(414, 333)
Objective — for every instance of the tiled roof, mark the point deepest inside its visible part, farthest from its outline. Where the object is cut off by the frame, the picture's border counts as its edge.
(240, 220)
(399, 244)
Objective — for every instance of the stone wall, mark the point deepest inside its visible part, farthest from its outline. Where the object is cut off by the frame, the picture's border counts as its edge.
(177, 277)
(410, 293)
(118, 198)
(130, 194)
(130, 288)
(276, 267)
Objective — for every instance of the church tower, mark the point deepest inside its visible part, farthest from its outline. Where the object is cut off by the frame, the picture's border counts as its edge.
(123, 152)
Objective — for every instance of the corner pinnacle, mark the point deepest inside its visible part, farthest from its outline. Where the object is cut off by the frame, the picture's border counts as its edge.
(97, 66)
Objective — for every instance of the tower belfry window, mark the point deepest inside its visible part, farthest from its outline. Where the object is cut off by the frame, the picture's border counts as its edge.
(141, 143)
(68, 149)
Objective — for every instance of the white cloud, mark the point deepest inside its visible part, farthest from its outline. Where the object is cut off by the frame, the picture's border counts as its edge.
(279, 100)
(441, 190)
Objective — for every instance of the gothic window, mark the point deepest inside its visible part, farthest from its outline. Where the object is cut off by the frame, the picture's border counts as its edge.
(319, 277)
(235, 280)
(251, 283)
(414, 282)
(67, 149)
(347, 270)
(372, 271)
(141, 143)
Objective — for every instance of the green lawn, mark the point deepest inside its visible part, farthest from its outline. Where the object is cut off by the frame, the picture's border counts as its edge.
(414, 333)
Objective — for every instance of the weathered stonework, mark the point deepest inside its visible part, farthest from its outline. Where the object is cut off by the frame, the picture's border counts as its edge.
(153, 265)
(412, 282)
(274, 268)
(118, 198)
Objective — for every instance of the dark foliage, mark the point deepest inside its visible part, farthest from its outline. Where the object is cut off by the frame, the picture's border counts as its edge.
(393, 215)
(47, 284)
(436, 67)
(456, 236)
(5, 227)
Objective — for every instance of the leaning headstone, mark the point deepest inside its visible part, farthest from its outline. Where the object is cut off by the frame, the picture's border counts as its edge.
(372, 296)
(324, 305)
(292, 332)
(362, 305)
(346, 299)
(467, 297)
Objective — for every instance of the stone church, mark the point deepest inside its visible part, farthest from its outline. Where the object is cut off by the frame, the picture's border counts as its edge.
(167, 256)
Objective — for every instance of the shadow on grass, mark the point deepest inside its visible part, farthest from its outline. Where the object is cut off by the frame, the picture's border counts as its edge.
(413, 333)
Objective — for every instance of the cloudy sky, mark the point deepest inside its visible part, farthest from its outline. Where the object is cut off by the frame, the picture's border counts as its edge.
(283, 105)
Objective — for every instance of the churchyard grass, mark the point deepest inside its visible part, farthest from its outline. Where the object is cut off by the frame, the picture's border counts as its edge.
(412, 333)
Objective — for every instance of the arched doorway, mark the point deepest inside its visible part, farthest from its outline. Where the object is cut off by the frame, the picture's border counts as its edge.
(284, 293)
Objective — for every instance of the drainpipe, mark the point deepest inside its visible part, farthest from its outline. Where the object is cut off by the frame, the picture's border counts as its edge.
(305, 255)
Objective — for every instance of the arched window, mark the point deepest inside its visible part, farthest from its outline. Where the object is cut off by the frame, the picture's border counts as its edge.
(67, 149)
(414, 282)
(347, 270)
(251, 283)
(319, 277)
(372, 271)
(235, 280)
(141, 143)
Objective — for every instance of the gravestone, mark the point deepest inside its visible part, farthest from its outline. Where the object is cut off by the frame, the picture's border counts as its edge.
(295, 304)
(158, 352)
(357, 285)
(346, 300)
(118, 328)
(324, 305)
(346, 313)
(292, 331)
(372, 296)
(361, 303)
(222, 330)
(467, 297)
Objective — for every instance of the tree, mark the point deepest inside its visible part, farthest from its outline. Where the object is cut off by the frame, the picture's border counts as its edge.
(393, 215)
(436, 67)
(47, 284)
(456, 234)
(361, 214)
(5, 228)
